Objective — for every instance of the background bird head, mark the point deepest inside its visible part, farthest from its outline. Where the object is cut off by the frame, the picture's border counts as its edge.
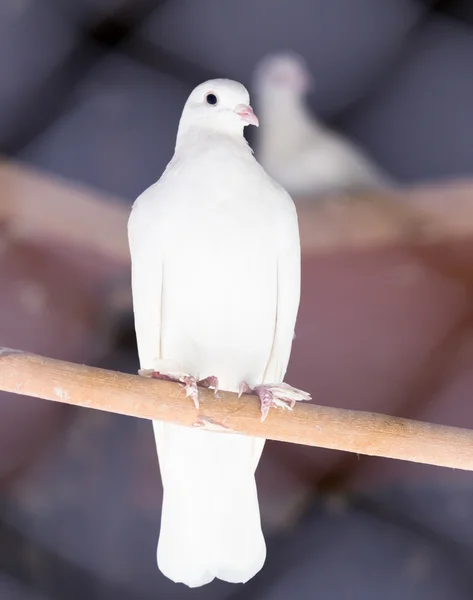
(282, 74)
(219, 105)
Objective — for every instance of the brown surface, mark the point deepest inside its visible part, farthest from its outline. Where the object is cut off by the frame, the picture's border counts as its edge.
(379, 327)
(68, 245)
(389, 331)
(52, 302)
(57, 273)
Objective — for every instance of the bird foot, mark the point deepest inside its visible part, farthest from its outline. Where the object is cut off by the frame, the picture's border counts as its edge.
(274, 395)
(190, 383)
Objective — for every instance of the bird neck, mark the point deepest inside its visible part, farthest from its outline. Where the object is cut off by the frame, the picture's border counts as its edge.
(191, 140)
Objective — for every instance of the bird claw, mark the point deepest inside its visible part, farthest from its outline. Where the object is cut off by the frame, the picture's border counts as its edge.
(210, 381)
(190, 387)
(190, 383)
(274, 395)
(244, 388)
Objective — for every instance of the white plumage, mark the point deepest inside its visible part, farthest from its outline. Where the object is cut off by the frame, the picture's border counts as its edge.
(216, 284)
(305, 157)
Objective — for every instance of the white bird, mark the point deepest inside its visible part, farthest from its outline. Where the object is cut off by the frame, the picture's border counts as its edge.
(216, 283)
(303, 155)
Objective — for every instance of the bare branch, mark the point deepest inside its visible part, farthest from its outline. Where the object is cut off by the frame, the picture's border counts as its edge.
(352, 431)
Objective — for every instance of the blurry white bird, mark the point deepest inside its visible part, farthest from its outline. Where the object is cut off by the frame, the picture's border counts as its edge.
(304, 156)
(216, 283)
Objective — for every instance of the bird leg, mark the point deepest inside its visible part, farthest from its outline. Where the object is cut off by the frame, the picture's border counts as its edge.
(191, 384)
(274, 395)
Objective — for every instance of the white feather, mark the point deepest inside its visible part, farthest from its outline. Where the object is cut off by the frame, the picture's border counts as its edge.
(216, 284)
(305, 157)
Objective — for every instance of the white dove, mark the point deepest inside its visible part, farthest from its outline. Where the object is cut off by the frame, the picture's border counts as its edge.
(305, 157)
(216, 283)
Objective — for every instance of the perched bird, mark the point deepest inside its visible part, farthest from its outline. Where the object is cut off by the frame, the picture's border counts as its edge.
(303, 155)
(215, 256)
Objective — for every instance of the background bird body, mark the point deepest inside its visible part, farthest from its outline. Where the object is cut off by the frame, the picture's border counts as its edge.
(216, 283)
(301, 153)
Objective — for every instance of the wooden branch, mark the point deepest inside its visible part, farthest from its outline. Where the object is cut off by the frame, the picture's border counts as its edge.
(36, 205)
(40, 205)
(421, 215)
(348, 430)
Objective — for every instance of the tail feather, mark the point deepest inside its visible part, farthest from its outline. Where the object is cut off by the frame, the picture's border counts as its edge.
(210, 522)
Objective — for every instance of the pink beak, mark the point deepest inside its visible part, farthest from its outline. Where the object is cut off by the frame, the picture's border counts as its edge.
(247, 114)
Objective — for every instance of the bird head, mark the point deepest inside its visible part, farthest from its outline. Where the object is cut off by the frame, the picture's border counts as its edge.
(219, 105)
(282, 74)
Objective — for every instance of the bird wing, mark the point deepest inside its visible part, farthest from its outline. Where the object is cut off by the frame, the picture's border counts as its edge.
(147, 280)
(288, 294)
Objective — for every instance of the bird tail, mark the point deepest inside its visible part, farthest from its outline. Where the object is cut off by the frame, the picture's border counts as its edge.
(210, 521)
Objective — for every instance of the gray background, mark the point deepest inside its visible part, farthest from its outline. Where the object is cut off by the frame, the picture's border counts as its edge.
(389, 73)
(92, 90)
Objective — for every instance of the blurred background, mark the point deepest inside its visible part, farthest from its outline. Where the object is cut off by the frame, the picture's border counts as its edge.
(91, 92)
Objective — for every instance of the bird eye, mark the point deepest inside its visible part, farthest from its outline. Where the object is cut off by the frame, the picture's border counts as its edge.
(211, 99)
